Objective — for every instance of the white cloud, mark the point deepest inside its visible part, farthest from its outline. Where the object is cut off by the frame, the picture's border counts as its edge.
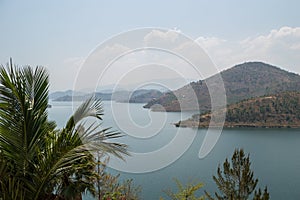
(162, 36)
(210, 42)
(279, 47)
(140, 64)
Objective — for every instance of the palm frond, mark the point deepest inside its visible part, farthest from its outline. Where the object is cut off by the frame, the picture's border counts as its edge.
(34, 156)
(90, 108)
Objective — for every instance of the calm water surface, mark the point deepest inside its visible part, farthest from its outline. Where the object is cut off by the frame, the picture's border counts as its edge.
(275, 153)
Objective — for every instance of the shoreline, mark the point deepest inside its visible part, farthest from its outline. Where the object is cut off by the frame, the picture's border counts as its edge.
(185, 124)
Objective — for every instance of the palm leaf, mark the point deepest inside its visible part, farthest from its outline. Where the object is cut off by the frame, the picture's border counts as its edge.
(34, 157)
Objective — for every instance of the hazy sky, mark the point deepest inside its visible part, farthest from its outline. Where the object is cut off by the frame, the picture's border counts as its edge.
(61, 34)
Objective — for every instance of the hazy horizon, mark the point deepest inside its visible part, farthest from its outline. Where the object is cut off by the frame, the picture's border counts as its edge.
(61, 35)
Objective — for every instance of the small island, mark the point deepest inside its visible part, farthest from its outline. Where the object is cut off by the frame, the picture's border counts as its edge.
(271, 111)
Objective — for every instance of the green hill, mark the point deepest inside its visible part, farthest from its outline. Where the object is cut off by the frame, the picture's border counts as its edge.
(244, 81)
(279, 110)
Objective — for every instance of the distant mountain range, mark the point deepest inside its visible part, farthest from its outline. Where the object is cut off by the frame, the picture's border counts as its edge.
(138, 96)
(243, 81)
(272, 111)
(58, 94)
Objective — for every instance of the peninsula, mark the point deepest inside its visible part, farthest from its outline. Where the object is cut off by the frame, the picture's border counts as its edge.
(270, 111)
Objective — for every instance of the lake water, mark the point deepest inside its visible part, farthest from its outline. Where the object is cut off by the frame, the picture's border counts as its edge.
(274, 153)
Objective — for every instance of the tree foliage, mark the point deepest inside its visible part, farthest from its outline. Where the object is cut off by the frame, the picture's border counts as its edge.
(37, 160)
(185, 192)
(236, 180)
(258, 195)
(109, 187)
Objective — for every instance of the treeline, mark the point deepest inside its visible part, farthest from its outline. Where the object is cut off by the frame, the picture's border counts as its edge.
(283, 108)
(278, 110)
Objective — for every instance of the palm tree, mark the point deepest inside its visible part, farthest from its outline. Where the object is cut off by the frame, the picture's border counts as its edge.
(38, 161)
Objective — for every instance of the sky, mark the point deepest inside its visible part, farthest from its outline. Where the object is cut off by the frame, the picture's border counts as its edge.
(62, 35)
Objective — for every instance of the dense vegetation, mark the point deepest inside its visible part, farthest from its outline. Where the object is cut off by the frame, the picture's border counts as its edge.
(244, 81)
(279, 110)
(37, 160)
